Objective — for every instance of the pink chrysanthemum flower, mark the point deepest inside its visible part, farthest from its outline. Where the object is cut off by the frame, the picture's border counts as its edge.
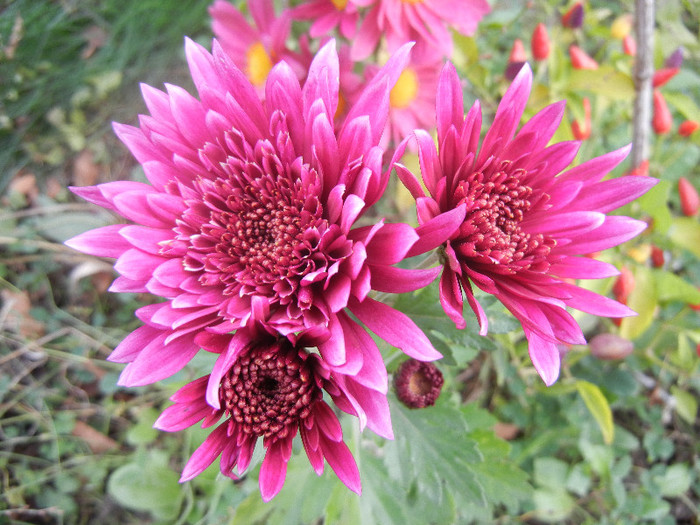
(256, 49)
(423, 21)
(249, 215)
(412, 100)
(271, 389)
(527, 221)
(327, 15)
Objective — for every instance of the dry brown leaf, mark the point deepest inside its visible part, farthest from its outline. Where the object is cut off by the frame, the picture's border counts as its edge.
(95, 439)
(96, 38)
(25, 183)
(506, 431)
(85, 170)
(17, 316)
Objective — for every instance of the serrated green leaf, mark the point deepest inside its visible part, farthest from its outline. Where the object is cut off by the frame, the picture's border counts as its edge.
(599, 407)
(686, 404)
(670, 287)
(432, 448)
(642, 300)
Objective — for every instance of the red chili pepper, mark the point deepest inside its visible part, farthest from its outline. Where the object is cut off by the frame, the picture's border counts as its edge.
(688, 127)
(663, 75)
(583, 131)
(580, 60)
(662, 120)
(540, 43)
(690, 200)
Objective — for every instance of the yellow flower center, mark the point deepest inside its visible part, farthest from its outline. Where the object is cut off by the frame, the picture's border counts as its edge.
(340, 4)
(341, 105)
(405, 90)
(259, 64)
(412, 1)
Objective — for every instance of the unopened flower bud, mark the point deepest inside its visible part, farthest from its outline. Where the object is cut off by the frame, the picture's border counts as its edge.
(690, 201)
(662, 120)
(623, 285)
(540, 43)
(688, 127)
(610, 347)
(418, 383)
(517, 52)
(657, 257)
(629, 46)
(621, 27)
(573, 18)
(675, 59)
(663, 75)
(580, 59)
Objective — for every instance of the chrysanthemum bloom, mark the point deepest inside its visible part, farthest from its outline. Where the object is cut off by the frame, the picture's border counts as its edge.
(527, 222)
(412, 100)
(249, 215)
(272, 389)
(418, 384)
(255, 50)
(327, 15)
(424, 21)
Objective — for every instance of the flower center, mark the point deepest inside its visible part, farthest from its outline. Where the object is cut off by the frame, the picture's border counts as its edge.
(418, 384)
(412, 1)
(269, 390)
(340, 4)
(405, 90)
(491, 232)
(259, 64)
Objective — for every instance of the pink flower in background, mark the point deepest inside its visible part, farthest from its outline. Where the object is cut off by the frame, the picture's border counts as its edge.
(412, 100)
(327, 15)
(271, 389)
(528, 219)
(248, 217)
(426, 22)
(255, 50)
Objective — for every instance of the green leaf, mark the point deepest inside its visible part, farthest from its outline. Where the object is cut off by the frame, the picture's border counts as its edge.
(550, 473)
(642, 300)
(143, 432)
(599, 407)
(655, 203)
(685, 232)
(146, 485)
(675, 480)
(433, 450)
(62, 227)
(553, 505)
(670, 287)
(686, 404)
(606, 81)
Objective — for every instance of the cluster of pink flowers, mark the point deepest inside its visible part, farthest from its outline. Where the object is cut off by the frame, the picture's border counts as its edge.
(252, 228)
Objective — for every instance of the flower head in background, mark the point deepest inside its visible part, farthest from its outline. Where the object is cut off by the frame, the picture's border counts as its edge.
(249, 214)
(529, 220)
(412, 100)
(255, 49)
(267, 388)
(426, 22)
(327, 15)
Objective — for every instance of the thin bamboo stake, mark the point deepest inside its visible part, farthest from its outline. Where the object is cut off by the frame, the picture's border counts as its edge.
(643, 72)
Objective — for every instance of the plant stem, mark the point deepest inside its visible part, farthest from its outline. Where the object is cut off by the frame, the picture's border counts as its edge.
(643, 72)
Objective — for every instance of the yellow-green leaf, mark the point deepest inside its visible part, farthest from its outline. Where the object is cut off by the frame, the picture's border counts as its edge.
(599, 407)
(686, 404)
(685, 232)
(642, 300)
(605, 81)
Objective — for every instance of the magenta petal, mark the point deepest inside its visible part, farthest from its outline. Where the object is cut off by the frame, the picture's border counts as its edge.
(595, 169)
(576, 267)
(391, 243)
(437, 231)
(399, 280)
(102, 242)
(179, 417)
(132, 344)
(615, 230)
(451, 298)
(158, 360)
(545, 356)
(343, 464)
(593, 303)
(206, 453)
(372, 373)
(223, 364)
(322, 81)
(449, 101)
(273, 470)
(395, 328)
(327, 421)
(610, 194)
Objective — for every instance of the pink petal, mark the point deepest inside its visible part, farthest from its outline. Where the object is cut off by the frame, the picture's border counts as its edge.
(102, 242)
(206, 453)
(395, 328)
(545, 357)
(399, 280)
(437, 230)
(343, 464)
(273, 470)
